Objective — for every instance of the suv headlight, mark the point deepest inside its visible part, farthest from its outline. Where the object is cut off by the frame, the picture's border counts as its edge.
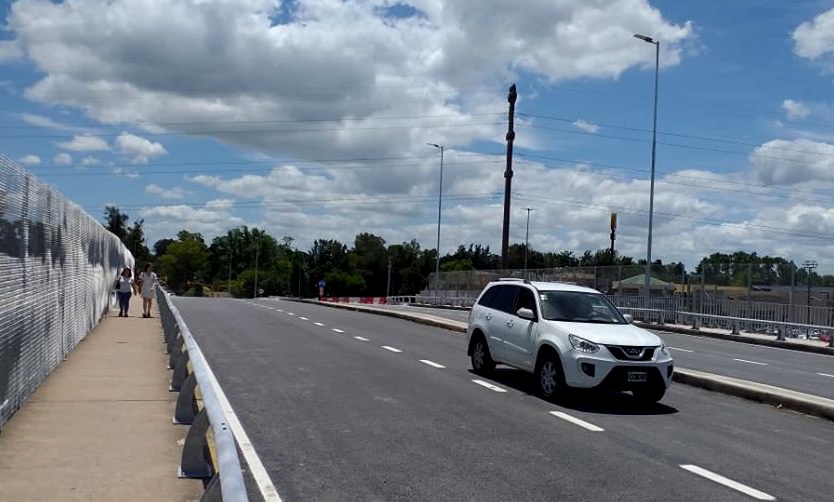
(582, 345)
(665, 350)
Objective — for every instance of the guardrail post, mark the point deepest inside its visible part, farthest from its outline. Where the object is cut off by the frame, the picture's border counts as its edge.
(781, 333)
(196, 460)
(696, 322)
(186, 408)
(735, 327)
(212, 492)
(170, 336)
(180, 372)
(176, 351)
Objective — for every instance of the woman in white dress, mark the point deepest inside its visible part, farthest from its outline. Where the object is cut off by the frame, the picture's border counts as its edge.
(149, 282)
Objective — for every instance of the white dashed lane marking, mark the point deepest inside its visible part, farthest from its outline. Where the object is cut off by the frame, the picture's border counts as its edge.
(337, 330)
(729, 483)
(318, 324)
(432, 364)
(680, 350)
(361, 338)
(576, 421)
(391, 349)
(749, 362)
(489, 386)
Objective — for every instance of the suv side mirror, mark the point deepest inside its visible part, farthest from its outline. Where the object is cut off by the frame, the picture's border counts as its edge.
(527, 314)
(628, 318)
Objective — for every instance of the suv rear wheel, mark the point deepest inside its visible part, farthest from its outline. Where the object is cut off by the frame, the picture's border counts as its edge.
(550, 379)
(482, 362)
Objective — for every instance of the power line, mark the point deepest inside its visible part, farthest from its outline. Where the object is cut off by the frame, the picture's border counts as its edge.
(670, 216)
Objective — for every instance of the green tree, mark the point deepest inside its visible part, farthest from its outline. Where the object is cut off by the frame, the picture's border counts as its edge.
(186, 260)
(116, 222)
(369, 259)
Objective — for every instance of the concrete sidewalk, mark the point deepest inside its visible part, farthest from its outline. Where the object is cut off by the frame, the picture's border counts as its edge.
(100, 427)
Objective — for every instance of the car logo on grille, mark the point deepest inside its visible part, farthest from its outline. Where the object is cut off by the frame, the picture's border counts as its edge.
(633, 351)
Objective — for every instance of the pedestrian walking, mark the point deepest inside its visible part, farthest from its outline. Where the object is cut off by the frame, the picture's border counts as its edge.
(125, 288)
(148, 283)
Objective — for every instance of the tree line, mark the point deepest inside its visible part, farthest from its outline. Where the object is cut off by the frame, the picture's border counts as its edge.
(248, 259)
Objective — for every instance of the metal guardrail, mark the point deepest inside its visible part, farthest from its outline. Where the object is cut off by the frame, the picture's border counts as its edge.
(210, 456)
(659, 316)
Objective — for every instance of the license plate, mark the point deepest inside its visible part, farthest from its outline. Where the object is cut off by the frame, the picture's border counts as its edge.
(638, 376)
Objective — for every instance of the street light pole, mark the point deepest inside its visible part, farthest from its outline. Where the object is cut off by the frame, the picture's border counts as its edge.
(654, 150)
(810, 266)
(527, 239)
(439, 208)
(257, 250)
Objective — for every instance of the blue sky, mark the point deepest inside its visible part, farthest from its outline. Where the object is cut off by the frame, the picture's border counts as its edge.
(310, 118)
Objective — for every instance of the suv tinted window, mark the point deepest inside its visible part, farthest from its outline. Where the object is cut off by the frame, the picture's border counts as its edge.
(486, 298)
(504, 299)
(526, 300)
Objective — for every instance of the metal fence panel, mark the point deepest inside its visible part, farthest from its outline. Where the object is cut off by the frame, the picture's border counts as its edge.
(57, 267)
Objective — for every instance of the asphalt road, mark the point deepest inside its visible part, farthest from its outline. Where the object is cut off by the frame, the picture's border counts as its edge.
(801, 371)
(349, 406)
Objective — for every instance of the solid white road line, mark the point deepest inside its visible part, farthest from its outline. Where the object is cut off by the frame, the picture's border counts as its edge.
(575, 421)
(749, 362)
(432, 363)
(825, 375)
(729, 483)
(361, 339)
(256, 467)
(680, 350)
(318, 324)
(489, 386)
(337, 330)
(303, 318)
(392, 349)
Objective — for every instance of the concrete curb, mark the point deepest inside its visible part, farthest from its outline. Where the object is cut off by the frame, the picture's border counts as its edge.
(753, 391)
(829, 351)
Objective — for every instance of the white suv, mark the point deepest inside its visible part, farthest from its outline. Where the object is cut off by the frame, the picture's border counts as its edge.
(565, 335)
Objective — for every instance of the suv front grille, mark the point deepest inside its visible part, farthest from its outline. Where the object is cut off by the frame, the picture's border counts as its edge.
(631, 353)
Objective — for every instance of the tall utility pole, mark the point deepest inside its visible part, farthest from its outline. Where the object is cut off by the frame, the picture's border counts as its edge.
(230, 269)
(613, 234)
(809, 266)
(508, 177)
(388, 287)
(439, 207)
(654, 150)
(527, 239)
(257, 250)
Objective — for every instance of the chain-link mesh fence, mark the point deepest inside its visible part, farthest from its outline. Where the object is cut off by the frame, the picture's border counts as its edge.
(57, 270)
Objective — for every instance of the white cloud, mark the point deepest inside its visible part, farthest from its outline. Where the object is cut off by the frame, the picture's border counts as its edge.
(62, 159)
(791, 162)
(138, 149)
(85, 143)
(815, 39)
(10, 50)
(214, 218)
(795, 109)
(90, 161)
(30, 160)
(442, 66)
(169, 193)
(586, 126)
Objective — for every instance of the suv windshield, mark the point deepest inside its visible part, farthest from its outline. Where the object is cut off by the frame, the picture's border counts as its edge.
(579, 306)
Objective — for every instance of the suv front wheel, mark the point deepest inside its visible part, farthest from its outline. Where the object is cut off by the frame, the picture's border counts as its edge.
(482, 362)
(550, 379)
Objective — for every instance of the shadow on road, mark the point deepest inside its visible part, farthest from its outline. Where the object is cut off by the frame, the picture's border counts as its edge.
(588, 401)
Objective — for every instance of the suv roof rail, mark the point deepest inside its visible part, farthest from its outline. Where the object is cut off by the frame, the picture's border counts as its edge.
(514, 279)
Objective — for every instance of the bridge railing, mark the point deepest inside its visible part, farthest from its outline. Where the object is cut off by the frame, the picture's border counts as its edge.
(209, 452)
(668, 314)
